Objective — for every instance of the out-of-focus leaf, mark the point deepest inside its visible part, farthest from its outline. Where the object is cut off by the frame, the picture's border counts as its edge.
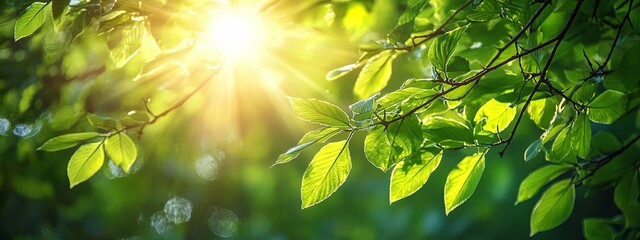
(597, 229)
(626, 192)
(532, 151)
(66, 141)
(315, 136)
(341, 71)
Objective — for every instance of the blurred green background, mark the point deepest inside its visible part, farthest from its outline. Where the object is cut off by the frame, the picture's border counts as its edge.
(243, 140)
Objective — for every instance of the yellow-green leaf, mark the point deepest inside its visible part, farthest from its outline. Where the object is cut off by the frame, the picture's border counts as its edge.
(554, 207)
(122, 150)
(315, 136)
(537, 179)
(66, 141)
(31, 19)
(328, 169)
(462, 181)
(320, 112)
(444, 46)
(409, 176)
(499, 115)
(374, 75)
(84, 163)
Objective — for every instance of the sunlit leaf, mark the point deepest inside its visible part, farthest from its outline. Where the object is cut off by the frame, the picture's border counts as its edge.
(339, 72)
(462, 181)
(315, 136)
(444, 46)
(320, 112)
(66, 141)
(122, 150)
(439, 129)
(125, 41)
(537, 179)
(374, 75)
(409, 176)
(562, 146)
(385, 147)
(541, 111)
(85, 162)
(554, 207)
(31, 19)
(499, 115)
(328, 169)
(364, 105)
(403, 29)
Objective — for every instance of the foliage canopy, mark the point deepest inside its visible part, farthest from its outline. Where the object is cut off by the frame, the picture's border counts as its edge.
(484, 68)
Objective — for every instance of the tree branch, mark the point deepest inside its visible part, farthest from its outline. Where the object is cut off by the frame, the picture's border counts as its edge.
(558, 39)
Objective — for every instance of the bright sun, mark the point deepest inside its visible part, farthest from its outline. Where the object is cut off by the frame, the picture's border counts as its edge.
(237, 34)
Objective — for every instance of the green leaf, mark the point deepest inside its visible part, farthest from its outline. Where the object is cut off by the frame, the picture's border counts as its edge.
(102, 123)
(604, 142)
(377, 149)
(374, 75)
(122, 150)
(384, 148)
(626, 192)
(554, 207)
(537, 179)
(328, 169)
(541, 111)
(438, 129)
(499, 115)
(84, 163)
(607, 107)
(66, 141)
(409, 176)
(339, 72)
(597, 229)
(320, 112)
(397, 97)
(365, 105)
(533, 150)
(581, 135)
(444, 46)
(562, 146)
(462, 181)
(315, 136)
(125, 41)
(31, 19)
(403, 29)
